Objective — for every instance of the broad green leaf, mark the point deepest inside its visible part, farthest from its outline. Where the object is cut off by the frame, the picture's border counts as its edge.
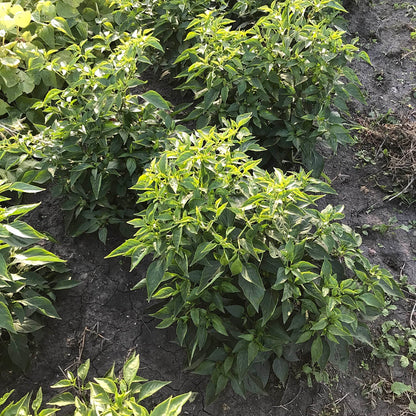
(27, 326)
(202, 250)
(251, 274)
(62, 384)
(83, 369)
(4, 107)
(6, 319)
(22, 19)
(23, 230)
(154, 276)
(253, 293)
(37, 256)
(398, 388)
(107, 385)
(218, 325)
(236, 267)
(125, 249)
(151, 387)
(156, 99)
(372, 300)
(171, 406)
(42, 304)
(25, 187)
(96, 185)
(19, 210)
(61, 24)
(316, 349)
(38, 400)
(4, 273)
(62, 399)
(66, 284)
(130, 369)
(18, 350)
(281, 369)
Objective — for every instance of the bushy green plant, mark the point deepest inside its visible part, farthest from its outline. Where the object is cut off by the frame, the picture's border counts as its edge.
(250, 272)
(289, 70)
(36, 36)
(106, 395)
(170, 19)
(100, 135)
(29, 275)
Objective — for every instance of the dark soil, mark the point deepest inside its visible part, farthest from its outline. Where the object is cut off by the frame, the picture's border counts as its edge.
(102, 319)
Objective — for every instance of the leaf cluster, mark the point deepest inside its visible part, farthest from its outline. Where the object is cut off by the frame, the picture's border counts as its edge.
(29, 276)
(106, 395)
(253, 276)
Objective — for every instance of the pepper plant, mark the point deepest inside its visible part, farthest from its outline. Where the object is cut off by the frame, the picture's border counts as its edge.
(253, 276)
(105, 395)
(100, 134)
(289, 70)
(29, 276)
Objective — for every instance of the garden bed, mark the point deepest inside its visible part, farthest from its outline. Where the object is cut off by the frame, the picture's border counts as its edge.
(103, 320)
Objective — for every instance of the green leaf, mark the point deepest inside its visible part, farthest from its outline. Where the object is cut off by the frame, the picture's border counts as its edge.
(250, 273)
(22, 19)
(62, 399)
(83, 369)
(316, 349)
(412, 406)
(404, 361)
(42, 304)
(156, 99)
(61, 24)
(96, 185)
(304, 337)
(372, 300)
(4, 273)
(37, 256)
(252, 292)
(27, 326)
(107, 385)
(154, 276)
(62, 384)
(151, 387)
(236, 267)
(218, 325)
(25, 187)
(23, 230)
(398, 388)
(202, 250)
(130, 369)
(6, 319)
(171, 406)
(281, 369)
(18, 350)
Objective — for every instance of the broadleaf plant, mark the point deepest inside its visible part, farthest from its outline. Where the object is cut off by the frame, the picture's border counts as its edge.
(288, 69)
(100, 135)
(29, 276)
(105, 395)
(252, 274)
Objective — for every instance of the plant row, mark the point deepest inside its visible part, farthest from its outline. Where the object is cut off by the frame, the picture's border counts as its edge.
(254, 277)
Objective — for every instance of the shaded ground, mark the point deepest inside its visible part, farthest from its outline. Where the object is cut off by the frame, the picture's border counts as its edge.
(102, 319)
